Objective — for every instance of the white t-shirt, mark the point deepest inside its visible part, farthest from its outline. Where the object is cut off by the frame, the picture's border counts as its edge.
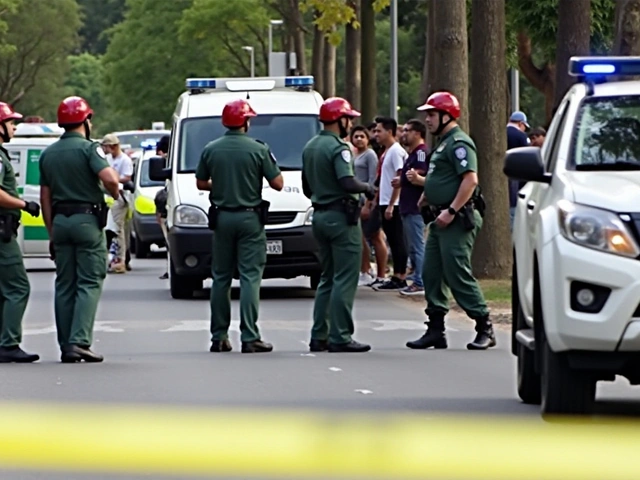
(392, 161)
(122, 164)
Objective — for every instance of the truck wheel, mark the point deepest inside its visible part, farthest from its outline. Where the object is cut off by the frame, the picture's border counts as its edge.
(142, 249)
(564, 391)
(315, 281)
(181, 286)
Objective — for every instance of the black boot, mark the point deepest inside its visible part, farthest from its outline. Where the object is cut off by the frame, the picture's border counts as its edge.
(318, 345)
(220, 346)
(434, 336)
(77, 353)
(17, 355)
(256, 347)
(485, 337)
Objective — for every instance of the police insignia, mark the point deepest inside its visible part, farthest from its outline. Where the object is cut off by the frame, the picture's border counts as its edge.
(461, 153)
(346, 155)
(273, 157)
(100, 152)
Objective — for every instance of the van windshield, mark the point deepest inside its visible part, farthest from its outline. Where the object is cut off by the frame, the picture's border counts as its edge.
(286, 135)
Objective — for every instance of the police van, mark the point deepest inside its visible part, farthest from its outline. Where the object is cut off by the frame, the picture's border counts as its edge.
(287, 109)
(28, 142)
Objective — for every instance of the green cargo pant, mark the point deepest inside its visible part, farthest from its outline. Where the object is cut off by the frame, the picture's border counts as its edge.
(14, 295)
(81, 267)
(447, 261)
(239, 241)
(340, 248)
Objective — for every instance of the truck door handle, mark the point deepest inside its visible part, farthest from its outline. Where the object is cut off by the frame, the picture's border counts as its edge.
(521, 195)
(531, 205)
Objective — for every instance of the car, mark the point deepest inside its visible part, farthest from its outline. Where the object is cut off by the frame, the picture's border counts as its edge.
(576, 242)
(288, 109)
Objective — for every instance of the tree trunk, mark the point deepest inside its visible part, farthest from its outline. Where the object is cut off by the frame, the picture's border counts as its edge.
(369, 100)
(429, 69)
(627, 28)
(542, 79)
(353, 57)
(574, 32)
(298, 37)
(329, 69)
(451, 54)
(491, 256)
(317, 60)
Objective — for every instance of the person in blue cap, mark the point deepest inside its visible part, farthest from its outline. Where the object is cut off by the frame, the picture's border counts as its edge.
(516, 137)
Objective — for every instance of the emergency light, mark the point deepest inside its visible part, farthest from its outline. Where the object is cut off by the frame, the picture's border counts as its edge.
(248, 83)
(603, 66)
(148, 144)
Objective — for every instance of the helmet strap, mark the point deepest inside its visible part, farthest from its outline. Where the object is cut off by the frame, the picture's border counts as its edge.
(5, 133)
(343, 129)
(87, 130)
(441, 123)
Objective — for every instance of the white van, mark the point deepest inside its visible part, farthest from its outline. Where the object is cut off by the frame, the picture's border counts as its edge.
(287, 109)
(29, 141)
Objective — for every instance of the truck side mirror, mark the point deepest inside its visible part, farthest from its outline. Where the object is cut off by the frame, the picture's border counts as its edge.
(157, 170)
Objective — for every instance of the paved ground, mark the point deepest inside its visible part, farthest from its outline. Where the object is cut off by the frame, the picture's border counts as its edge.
(156, 352)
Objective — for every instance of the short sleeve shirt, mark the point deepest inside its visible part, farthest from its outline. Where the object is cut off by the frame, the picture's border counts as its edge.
(123, 165)
(410, 193)
(10, 253)
(453, 156)
(325, 160)
(236, 164)
(70, 168)
(394, 158)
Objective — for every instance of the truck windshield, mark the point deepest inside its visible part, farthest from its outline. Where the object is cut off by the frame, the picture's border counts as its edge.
(607, 134)
(286, 135)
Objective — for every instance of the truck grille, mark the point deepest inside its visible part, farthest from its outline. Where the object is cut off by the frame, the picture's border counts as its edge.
(279, 218)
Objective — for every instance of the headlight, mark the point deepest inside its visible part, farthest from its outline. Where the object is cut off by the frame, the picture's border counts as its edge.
(188, 216)
(595, 228)
(308, 218)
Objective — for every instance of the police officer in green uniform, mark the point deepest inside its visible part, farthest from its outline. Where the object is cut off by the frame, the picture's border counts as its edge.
(450, 191)
(232, 168)
(14, 283)
(74, 212)
(328, 180)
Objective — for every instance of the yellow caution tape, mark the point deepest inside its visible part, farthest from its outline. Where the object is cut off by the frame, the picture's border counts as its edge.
(145, 205)
(171, 441)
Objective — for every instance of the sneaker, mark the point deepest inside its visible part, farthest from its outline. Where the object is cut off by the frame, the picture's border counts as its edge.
(412, 289)
(392, 285)
(377, 282)
(365, 279)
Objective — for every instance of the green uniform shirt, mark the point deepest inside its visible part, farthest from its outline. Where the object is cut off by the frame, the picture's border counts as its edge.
(70, 167)
(325, 160)
(8, 182)
(10, 253)
(236, 164)
(454, 155)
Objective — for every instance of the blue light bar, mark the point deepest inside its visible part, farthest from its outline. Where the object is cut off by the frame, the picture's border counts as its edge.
(149, 144)
(603, 66)
(304, 81)
(193, 83)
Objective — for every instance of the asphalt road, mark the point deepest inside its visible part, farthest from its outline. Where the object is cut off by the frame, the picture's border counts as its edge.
(156, 352)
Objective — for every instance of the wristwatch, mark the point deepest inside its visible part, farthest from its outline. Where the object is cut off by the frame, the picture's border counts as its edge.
(451, 211)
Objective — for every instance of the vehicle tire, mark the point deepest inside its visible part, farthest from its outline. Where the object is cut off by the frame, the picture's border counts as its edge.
(529, 386)
(181, 286)
(315, 280)
(142, 249)
(564, 391)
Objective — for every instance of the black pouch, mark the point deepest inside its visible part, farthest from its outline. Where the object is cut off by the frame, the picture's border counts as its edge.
(352, 210)
(427, 215)
(6, 228)
(263, 212)
(480, 204)
(102, 213)
(467, 217)
(213, 217)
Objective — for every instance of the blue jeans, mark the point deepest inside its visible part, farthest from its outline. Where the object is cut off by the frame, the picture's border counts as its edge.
(413, 226)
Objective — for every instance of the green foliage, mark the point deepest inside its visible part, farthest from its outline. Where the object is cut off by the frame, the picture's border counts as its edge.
(145, 66)
(98, 16)
(85, 80)
(32, 73)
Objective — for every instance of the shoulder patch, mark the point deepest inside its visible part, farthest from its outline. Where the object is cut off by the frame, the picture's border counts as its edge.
(461, 153)
(100, 152)
(346, 155)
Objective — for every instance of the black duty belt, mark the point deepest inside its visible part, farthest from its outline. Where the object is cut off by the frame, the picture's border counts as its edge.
(238, 209)
(336, 206)
(68, 209)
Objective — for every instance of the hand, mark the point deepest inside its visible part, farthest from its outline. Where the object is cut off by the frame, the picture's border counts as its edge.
(388, 213)
(422, 202)
(129, 186)
(365, 213)
(32, 208)
(395, 182)
(444, 219)
(370, 193)
(52, 251)
(412, 176)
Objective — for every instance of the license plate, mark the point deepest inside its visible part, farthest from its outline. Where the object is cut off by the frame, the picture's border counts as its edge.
(274, 247)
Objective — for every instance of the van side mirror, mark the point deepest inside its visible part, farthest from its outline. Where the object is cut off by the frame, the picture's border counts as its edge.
(525, 164)
(157, 171)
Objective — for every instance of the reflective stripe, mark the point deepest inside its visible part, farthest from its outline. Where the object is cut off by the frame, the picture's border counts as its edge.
(33, 227)
(145, 206)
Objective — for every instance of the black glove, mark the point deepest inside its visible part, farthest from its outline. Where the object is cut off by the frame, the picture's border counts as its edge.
(32, 208)
(129, 186)
(370, 193)
(52, 251)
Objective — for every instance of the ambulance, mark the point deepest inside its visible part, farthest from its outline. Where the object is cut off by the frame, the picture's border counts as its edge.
(287, 109)
(29, 140)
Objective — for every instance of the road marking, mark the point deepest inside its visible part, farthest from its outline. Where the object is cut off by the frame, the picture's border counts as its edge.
(364, 392)
(335, 369)
(98, 327)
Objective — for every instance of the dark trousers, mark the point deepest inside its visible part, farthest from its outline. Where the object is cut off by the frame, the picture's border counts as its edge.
(395, 236)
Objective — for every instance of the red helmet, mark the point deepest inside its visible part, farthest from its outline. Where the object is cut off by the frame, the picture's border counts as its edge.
(444, 102)
(7, 113)
(335, 108)
(235, 113)
(73, 110)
